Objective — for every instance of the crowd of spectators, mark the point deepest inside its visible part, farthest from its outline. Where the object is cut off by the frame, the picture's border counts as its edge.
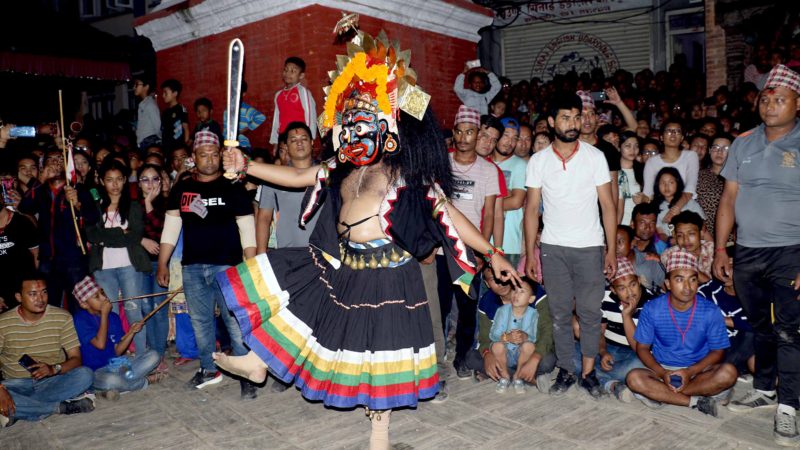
(140, 210)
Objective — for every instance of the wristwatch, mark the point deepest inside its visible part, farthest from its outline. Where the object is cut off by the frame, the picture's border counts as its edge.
(56, 369)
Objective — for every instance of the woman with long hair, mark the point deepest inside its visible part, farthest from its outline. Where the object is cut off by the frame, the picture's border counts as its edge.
(667, 190)
(155, 208)
(631, 176)
(117, 259)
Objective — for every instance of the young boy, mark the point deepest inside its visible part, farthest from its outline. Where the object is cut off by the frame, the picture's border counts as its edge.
(148, 120)
(513, 336)
(174, 119)
(681, 339)
(687, 228)
(203, 110)
(103, 341)
(294, 102)
(478, 94)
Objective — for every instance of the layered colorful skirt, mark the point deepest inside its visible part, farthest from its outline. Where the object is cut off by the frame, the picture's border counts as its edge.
(349, 330)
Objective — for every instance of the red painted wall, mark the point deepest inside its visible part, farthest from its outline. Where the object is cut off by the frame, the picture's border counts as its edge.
(201, 64)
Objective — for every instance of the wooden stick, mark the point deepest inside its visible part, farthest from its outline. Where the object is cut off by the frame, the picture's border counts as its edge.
(177, 291)
(161, 305)
(64, 152)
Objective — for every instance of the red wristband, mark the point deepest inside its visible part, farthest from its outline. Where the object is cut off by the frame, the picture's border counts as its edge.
(721, 250)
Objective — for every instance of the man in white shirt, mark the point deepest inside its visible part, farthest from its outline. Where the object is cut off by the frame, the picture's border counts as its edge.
(570, 176)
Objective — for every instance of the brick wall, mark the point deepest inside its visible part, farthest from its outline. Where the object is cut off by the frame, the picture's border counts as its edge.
(201, 64)
(716, 61)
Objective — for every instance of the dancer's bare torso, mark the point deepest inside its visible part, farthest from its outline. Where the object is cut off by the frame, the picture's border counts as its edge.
(362, 193)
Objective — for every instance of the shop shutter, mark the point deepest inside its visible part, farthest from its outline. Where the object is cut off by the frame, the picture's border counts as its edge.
(537, 49)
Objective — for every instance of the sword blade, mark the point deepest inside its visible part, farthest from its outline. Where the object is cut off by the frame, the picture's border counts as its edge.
(235, 66)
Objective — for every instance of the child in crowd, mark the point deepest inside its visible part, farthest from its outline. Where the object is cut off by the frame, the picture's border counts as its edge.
(203, 109)
(477, 94)
(687, 234)
(174, 119)
(668, 189)
(294, 102)
(103, 343)
(681, 339)
(513, 336)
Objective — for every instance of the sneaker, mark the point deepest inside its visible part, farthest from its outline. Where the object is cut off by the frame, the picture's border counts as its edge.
(564, 381)
(442, 395)
(591, 385)
(203, 378)
(752, 401)
(543, 382)
(111, 395)
(502, 386)
(650, 403)
(83, 405)
(519, 386)
(745, 378)
(785, 431)
(707, 405)
(462, 371)
(621, 392)
(278, 386)
(248, 390)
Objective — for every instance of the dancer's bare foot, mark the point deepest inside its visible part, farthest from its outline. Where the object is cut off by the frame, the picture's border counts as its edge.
(249, 366)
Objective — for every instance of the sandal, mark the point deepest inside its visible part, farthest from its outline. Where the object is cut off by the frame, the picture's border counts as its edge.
(181, 361)
(156, 377)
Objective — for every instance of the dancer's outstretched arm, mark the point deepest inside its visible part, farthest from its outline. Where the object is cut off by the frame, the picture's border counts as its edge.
(473, 238)
(234, 161)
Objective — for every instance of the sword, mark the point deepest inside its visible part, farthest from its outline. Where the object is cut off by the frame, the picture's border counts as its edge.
(235, 65)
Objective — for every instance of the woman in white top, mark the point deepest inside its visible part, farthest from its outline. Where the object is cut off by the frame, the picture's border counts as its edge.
(117, 259)
(685, 161)
(631, 177)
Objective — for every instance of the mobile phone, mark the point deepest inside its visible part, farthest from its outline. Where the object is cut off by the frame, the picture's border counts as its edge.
(27, 362)
(676, 381)
(599, 96)
(473, 64)
(22, 132)
(7, 185)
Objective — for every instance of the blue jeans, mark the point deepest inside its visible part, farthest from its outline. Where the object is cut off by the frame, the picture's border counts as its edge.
(202, 295)
(106, 379)
(158, 325)
(625, 360)
(131, 283)
(35, 400)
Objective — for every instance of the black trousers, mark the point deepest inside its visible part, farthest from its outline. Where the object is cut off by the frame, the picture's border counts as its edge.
(467, 308)
(763, 279)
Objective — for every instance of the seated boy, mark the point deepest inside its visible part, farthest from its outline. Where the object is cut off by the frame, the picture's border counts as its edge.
(687, 232)
(103, 341)
(741, 334)
(539, 367)
(513, 336)
(682, 340)
(621, 312)
(649, 270)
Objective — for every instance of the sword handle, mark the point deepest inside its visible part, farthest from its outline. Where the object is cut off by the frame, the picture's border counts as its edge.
(229, 144)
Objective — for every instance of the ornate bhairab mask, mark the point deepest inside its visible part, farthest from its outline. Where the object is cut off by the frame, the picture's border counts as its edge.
(371, 85)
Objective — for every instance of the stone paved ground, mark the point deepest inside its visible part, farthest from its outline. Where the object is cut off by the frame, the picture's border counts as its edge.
(168, 415)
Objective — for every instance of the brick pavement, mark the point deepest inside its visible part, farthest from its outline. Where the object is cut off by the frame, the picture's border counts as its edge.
(169, 416)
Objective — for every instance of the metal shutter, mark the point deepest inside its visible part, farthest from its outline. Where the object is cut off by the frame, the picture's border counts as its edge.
(533, 50)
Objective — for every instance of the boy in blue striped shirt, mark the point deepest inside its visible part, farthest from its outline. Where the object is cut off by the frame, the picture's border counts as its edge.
(682, 340)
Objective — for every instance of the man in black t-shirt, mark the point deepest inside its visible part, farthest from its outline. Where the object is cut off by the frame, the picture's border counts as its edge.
(218, 226)
(18, 249)
(589, 135)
